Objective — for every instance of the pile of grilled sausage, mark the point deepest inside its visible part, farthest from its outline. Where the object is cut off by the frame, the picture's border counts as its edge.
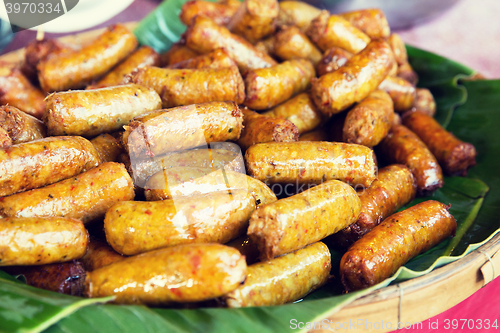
(147, 156)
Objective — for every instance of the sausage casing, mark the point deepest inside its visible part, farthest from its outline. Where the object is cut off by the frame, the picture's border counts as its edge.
(108, 147)
(177, 53)
(400, 237)
(290, 43)
(284, 279)
(186, 127)
(294, 222)
(369, 121)
(394, 188)
(332, 60)
(403, 146)
(307, 162)
(216, 59)
(254, 19)
(259, 128)
(184, 273)
(93, 112)
(134, 227)
(424, 102)
(70, 70)
(353, 82)
(316, 135)
(20, 126)
(204, 35)
(5, 140)
(178, 87)
(406, 72)
(371, 21)
(268, 87)
(86, 197)
(39, 241)
(402, 92)
(33, 164)
(454, 156)
(35, 51)
(99, 254)
(297, 13)
(220, 12)
(399, 49)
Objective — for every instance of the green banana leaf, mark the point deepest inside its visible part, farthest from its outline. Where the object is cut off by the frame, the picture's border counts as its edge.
(468, 109)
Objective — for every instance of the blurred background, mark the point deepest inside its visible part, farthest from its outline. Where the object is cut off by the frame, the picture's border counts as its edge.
(466, 31)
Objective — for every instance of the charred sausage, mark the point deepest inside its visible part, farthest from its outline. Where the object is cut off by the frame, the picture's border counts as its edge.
(290, 43)
(254, 19)
(220, 12)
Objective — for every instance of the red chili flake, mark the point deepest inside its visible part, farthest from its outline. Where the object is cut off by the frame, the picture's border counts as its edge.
(148, 212)
(92, 184)
(72, 188)
(195, 261)
(176, 292)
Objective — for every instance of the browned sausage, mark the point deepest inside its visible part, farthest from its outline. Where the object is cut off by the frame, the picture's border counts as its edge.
(266, 46)
(216, 59)
(371, 21)
(268, 87)
(425, 102)
(297, 13)
(301, 111)
(294, 222)
(99, 254)
(36, 50)
(246, 247)
(332, 60)
(284, 279)
(399, 49)
(402, 236)
(403, 146)
(327, 31)
(108, 147)
(307, 162)
(454, 156)
(143, 56)
(93, 112)
(177, 53)
(5, 140)
(353, 82)
(406, 72)
(186, 127)
(394, 188)
(29, 165)
(178, 87)
(39, 241)
(16, 90)
(184, 273)
(204, 35)
(402, 92)
(64, 278)
(20, 126)
(254, 19)
(290, 43)
(316, 135)
(70, 70)
(258, 128)
(220, 12)
(86, 197)
(369, 121)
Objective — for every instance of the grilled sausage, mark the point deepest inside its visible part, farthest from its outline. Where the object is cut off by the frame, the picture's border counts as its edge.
(297, 13)
(108, 147)
(425, 102)
(143, 56)
(307, 162)
(64, 278)
(135, 227)
(93, 112)
(259, 128)
(185, 181)
(406, 72)
(254, 19)
(370, 120)
(29, 165)
(301, 111)
(186, 127)
(268, 87)
(246, 247)
(402, 236)
(86, 197)
(402, 92)
(290, 43)
(220, 12)
(178, 87)
(185, 273)
(16, 90)
(371, 21)
(177, 53)
(403, 146)
(216, 59)
(71, 70)
(399, 49)
(20, 126)
(332, 60)
(99, 254)
(35, 51)
(353, 82)
(316, 135)
(284, 279)
(39, 241)
(327, 31)
(395, 187)
(294, 222)
(204, 36)
(454, 156)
